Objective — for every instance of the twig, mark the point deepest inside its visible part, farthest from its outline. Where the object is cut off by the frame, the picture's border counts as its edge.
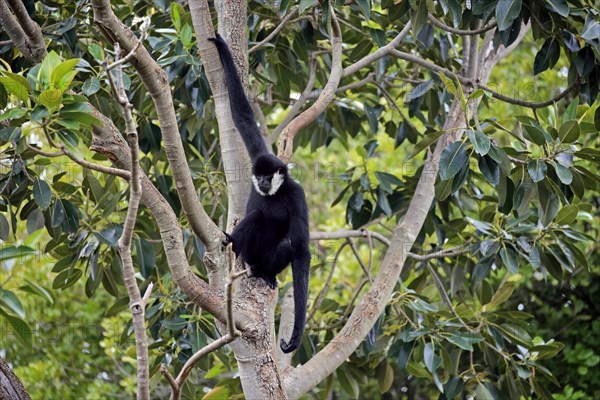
(344, 233)
(297, 106)
(274, 32)
(530, 104)
(84, 163)
(321, 295)
(357, 256)
(131, 54)
(354, 85)
(230, 336)
(286, 139)
(379, 53)
(466, 81)
(463, 32)
(136, 302)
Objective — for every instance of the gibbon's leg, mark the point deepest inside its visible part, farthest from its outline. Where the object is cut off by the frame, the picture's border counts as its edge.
(276, 261)
(247, 236)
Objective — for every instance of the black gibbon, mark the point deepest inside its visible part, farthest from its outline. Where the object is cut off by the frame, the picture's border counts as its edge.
(275, 229)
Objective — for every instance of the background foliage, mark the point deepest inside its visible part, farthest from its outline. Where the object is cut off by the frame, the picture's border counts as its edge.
(514, 316)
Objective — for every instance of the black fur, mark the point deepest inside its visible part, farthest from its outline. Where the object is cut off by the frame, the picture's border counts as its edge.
(275, 229)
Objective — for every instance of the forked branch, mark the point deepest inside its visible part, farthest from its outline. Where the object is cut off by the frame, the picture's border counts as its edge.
(230, 336)
(136, 303)
(286, 140)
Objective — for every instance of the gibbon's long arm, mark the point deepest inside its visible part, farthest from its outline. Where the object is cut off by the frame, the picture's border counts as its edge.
(300, 273)
(243, 117)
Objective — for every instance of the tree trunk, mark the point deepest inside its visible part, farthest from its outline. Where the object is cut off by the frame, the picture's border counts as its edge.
(11, 387)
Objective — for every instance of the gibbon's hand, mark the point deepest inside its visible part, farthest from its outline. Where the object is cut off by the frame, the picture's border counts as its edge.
(217, 40)
(228, 239)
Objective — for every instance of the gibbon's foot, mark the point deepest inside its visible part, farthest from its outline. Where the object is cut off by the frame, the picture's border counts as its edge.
(287, 347)
(272, 283)
(254, 272)
(228, 239)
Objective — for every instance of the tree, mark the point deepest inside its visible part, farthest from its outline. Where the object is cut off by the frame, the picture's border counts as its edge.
(496, 197)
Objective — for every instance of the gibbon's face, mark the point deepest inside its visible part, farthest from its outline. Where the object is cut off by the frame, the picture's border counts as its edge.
(268, 174)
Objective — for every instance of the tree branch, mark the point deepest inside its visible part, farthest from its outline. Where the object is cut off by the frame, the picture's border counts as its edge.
(84, 163)
(136, 303)
(34, 41)
(156, 82)
(297, 106)
(274, 32)
(379, 53)
(286, 140)
(462, 32)
(230, 336)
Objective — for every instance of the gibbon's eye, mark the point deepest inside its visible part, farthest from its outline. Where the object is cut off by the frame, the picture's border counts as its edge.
(264, 182)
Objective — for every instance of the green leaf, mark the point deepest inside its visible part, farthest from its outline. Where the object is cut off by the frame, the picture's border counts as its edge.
(549, 204)
(42, 194)
(534, 134)
(481, 143)
(38, 290)
(453, 388)
(58, 214)
(4, 228)
(501, 158)
(547, 350)
(92, 85)
(485, 390)
(569, 131)
(96, 51)
(564, 174)
(425, 143)
(13, 113)
(385, 377)
(537, 170)
(66, 278)
(448, 83)
(348, 383)
(489, 168)
(387, 180)
(506, 12)
(50, 98)
(559, 6)
(584, 61)
(547, 56)
(20, 328)
(502, 294)
(304, 5)
(365, 7)
(432, 361)
(50, 62)
(15, 252)
(464, 340)
(186, 36)
(509, 259)
(567, 215)
(382, 201)
(419, 90)
(63, 70)
(35, 221)
(10, 301)
(177, 11)
(452, 160)
(571, 111)
(19, 87)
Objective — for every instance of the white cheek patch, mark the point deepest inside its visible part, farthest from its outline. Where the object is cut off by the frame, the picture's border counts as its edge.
(276, 183)
(255, 183)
